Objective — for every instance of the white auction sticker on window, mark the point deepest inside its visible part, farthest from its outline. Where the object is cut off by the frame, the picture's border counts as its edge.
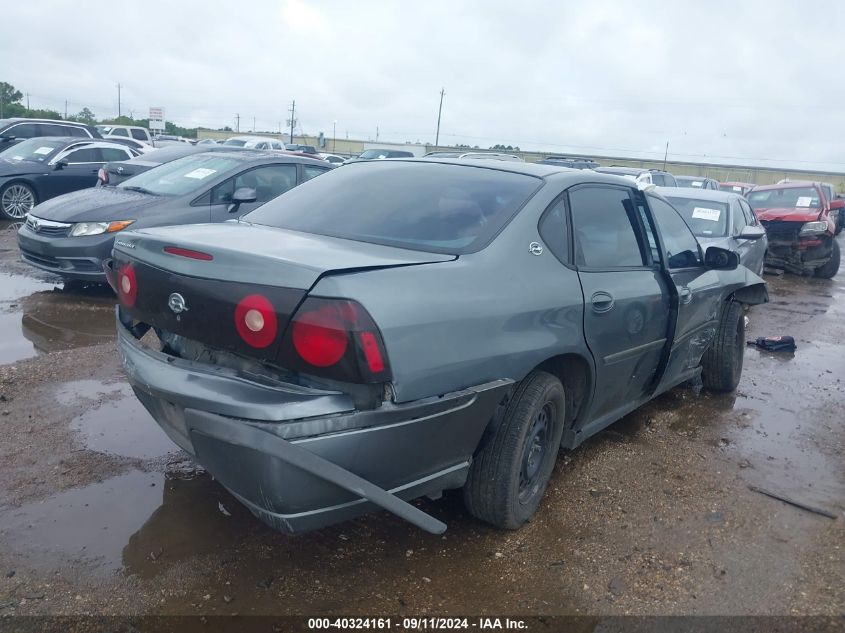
(43, 151)
(735, 188)
(804, 201)
(697, 183)
(702, 213)
(200, 173)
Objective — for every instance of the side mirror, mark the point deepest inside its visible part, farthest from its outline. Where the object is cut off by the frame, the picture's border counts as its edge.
(61, 164)
(244, 195)
(7, 138)
(837, 203)
(716, 258)
(751, 233)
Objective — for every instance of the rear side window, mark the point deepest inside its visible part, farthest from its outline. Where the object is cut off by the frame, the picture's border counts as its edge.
(112, 153)
(423, 206)
(554, 231)
(75, 130)
(139, 135)
(605, 224)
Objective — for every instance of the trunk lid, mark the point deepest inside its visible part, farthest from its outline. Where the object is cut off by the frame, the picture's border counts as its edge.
(246, 260)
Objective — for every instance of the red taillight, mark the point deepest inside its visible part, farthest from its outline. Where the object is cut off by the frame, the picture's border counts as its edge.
(255, 321)
(127, 286)
(103, 176)
(186, 252)
(320, 336)
(335, 338)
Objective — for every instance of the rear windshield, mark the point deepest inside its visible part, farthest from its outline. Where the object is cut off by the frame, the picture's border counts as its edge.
(423, 206)
(235, 142)
(705, 218)
(689, 181)
(182, 176)
(785, 198)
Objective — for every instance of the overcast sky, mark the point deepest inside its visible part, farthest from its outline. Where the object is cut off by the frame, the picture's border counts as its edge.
(743, 82)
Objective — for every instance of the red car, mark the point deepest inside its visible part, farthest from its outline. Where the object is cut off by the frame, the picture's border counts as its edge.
(741, 188)
(800, 227)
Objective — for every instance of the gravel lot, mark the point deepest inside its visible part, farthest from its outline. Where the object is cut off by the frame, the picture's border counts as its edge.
(100, 513)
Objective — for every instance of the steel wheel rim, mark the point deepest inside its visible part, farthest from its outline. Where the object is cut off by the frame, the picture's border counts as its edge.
(18, 200)
(534, 452)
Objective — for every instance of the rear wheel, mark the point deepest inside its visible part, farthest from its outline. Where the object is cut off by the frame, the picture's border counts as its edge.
(832, 266)
(721, 366)
(16, 200)
(508, 477)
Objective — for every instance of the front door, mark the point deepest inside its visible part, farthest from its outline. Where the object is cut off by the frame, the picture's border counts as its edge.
(698, 291)
(268, 181)
(626, 310)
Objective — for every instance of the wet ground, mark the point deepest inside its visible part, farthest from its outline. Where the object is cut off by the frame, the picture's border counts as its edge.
(100, 513)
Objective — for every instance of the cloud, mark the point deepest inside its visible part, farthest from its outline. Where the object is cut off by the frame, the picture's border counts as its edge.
(749, 82)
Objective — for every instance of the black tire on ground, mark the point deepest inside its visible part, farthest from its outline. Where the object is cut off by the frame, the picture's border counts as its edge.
(16, 200)
(509, 475)
(830, 269)
(840, 221)
(721, 365)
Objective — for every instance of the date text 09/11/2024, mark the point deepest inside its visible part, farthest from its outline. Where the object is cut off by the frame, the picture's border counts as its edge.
(416, 624)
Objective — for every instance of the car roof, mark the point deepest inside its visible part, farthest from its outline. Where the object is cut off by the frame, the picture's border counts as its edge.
(714, 195)
(260, 155)
(631, 171)
(24, 119)
(792, 184)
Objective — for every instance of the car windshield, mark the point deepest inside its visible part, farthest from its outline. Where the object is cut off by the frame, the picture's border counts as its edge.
(36, 150)
(705, 218)
(732, 188)
(181, 176)
(784, 198)
(235, 142)
(431, 207)
(374, 153)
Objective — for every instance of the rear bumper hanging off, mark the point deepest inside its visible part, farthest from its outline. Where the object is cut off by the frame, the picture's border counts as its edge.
(300, 458)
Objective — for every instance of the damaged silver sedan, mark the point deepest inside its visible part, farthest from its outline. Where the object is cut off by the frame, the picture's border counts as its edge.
(394, 330)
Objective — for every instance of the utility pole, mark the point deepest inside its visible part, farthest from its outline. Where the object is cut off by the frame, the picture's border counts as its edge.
(118, 100)
(665, 155)
(65, 109)
(377, 133)
(253, 124)
(237, 123)
(439, 112)
(292, 118)
(334, 135)
(27, 101)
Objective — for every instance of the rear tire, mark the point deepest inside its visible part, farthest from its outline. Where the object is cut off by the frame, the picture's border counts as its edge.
(509, 475)
(721, 365)
(830, 269)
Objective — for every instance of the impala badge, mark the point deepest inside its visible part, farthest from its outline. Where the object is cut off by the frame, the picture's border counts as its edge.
(176, 302)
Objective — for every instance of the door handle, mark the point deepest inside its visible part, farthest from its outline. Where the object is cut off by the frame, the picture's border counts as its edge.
(685, 294)
(602, 301)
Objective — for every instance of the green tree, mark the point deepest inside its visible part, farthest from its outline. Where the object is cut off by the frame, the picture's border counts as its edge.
(86, 116)
(9, 96)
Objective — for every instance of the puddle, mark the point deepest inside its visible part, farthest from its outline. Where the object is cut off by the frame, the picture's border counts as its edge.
(71, 392)
(13, 288)
(123, 427)
(38, 316)
(140, 522)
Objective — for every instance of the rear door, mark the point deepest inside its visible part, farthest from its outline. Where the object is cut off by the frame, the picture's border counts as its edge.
(626, 298)
(697, 293)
